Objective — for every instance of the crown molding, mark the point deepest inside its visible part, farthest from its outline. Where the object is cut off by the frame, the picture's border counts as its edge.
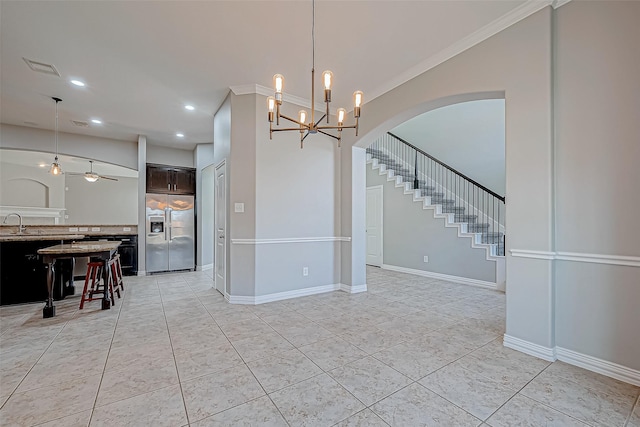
(516, 15)
(251, 89)
(513, 17)
(559, 3)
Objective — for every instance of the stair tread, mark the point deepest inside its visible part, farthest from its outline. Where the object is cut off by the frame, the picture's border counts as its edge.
(481, 230)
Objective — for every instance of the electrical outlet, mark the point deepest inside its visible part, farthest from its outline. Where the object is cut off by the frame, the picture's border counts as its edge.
(426, 258)
(305, 271)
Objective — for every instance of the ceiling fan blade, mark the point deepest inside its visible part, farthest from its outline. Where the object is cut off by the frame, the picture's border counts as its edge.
(108, 177)
(74, 173)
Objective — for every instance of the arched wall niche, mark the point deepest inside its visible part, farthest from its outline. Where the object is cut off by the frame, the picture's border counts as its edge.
(26, 192)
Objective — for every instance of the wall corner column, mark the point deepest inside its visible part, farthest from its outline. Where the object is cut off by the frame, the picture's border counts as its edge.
(142, 205)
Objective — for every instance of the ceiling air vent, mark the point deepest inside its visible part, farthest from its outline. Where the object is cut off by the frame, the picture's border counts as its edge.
(80, 123)
(41, 67)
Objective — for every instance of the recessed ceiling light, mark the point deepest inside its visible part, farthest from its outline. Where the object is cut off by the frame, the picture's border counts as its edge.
(189, 107)
(180, 135)
(96, 121)
(43, 165)
(77, 83)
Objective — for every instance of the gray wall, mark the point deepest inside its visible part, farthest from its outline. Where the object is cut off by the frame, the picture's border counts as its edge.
(221, 151)
(571, 169)
(411, 232)
(468, 136)
(123, 153)
(296, 197)
(102, 202)
(39, 177)
(205, 181)
(597, 106)
(288, 194)
(514, 64)
(170, 156)
(241, 174)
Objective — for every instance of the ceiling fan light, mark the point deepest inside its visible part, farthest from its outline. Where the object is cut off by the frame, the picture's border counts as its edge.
(91, 177)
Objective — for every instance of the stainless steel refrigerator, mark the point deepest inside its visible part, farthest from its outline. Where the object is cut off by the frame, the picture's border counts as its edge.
(170, 232)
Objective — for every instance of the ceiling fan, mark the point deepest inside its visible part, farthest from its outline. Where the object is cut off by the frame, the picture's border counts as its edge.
(92, 176)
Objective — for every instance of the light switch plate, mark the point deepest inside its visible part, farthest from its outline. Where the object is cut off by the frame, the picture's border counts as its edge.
(239, 207)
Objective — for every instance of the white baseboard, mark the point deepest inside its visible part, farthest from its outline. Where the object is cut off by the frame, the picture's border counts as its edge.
(455, 279)
(279, 296)
(141, 273)
(541, 352)
(610, 369)
(204, 267)
(590, 363)
(353, 289)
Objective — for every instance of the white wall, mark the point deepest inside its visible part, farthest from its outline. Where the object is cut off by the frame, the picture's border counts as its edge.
(468, 136)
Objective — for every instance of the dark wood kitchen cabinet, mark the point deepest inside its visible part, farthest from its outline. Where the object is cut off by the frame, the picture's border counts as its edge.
(170, 179)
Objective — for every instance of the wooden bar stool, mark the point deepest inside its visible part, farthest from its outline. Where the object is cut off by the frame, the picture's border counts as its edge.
(116, 272)
(93, 283)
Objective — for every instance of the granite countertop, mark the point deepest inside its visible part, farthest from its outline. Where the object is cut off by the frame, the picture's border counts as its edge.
(26, 237)
(76, 248)
(8, 233)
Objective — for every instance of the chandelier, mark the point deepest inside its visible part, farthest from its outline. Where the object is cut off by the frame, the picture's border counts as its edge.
(307, 125)
(55, 166)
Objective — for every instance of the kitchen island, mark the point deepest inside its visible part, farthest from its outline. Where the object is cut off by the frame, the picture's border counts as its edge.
(102, 251)
(23, 275)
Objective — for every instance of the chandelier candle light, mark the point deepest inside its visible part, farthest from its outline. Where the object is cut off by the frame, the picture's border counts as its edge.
(311, 127)
(55, 166)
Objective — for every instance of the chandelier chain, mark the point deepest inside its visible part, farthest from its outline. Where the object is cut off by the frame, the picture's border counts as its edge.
(313, 35)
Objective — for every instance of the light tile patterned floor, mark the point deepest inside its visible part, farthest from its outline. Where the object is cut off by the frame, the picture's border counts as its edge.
(411, 351)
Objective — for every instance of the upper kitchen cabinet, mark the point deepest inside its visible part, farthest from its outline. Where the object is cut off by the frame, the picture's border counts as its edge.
(170, 179)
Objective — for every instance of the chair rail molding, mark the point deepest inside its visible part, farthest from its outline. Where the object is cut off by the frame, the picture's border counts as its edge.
(629, 261)
(290, 240)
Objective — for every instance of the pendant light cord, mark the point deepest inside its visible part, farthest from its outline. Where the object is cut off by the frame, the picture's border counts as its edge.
(313, 34)
(57, 129)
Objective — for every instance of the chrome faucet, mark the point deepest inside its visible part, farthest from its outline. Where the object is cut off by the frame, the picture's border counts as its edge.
(21, 228)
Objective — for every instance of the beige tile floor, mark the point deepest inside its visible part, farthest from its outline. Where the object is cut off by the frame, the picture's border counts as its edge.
(411, 351)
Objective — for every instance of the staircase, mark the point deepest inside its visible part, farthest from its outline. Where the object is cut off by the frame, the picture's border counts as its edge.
(477, 211)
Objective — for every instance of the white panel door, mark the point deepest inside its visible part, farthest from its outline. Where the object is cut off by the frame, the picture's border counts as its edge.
(221, 227)
(374, 225)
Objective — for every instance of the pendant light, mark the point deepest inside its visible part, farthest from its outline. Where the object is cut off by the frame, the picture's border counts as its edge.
(55, 166)
(305, 126)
